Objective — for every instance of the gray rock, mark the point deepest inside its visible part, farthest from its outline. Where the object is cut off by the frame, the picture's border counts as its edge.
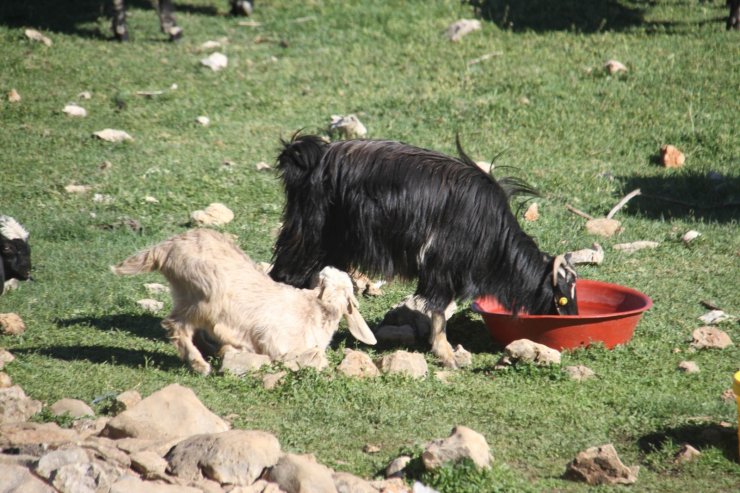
(74, 407)
(173, 412)
(56, 459)
(149, 464)
(299, 474)
(240, 363)
(405, 363)
(357, 364)
(396, 469)
(600, 465)
(463, 443)
(132, 484)
(16, 406)
(125, 401)
(81, 478)
(233, 457)
(526, 351)
(18, 479)
(345, 482)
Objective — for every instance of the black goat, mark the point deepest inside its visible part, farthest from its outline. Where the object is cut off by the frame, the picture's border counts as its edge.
(395, 210)
(15, 252)
(167, 17)
(733, 19)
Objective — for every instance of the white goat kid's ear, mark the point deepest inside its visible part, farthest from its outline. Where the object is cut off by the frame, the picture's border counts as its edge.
(357, 325)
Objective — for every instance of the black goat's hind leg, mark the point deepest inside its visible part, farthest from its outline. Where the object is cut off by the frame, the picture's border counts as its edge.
(120, 30)
(167, 20)
(438, 339)
(241, 7)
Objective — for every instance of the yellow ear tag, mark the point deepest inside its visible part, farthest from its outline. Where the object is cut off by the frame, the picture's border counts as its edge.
(563, 301)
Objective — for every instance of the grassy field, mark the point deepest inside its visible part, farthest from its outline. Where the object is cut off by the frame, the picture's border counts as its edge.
(530, 85)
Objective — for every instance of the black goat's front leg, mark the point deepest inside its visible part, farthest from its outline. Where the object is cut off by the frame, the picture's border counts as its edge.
(733, 20)
(167, 20)
(120, 30)
(438, 339)
(242, 7)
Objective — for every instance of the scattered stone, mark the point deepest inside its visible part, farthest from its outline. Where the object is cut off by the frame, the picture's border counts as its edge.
(671, 157)
(347, 127)
(262, 166)
(462, 356)
(239, 363)
(11, 285)
(5, 357)
(579, 372)
(216, 214)
(686, 453)
(593, 255)
(11, 324)
(74, 407)
(172, 412)
(600, 465)
(443, 375)
(688, 367)
(56, 459)
(396, 469)
(156, 288)
(635, 246)
(311, 358)
(690, 236)
(463, 27)
(151, 200)
(271, 380)
(714, 317)
(203, 121)
(35, 35)
(16, 406)
(75, 110)
(532, 213)
(150, 305)
(710, 338)
(215, 61)
(526, 351)
(371, 448)
(463, 443)
(614, 67)
(84, 95)
(20, 479)
(112, 135)
(100, 198)
(404, 363)
(77, 188)
(357, 364)
(5, 380)
(298, 474)
(13, 96)
(233, 457)
(602, 226)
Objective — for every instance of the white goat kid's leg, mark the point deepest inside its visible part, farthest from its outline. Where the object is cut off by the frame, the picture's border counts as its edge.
(181, 335)
(438, 339)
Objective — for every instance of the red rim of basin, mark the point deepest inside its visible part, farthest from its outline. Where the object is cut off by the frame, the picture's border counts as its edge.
(613, 322)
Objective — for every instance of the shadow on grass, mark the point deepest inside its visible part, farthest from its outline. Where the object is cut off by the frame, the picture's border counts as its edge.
(133, 358)
(77, 16)
(145, 326)
(700, 436)
(689, 195)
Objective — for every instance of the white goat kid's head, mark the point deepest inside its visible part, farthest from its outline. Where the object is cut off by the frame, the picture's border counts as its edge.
(331, 279)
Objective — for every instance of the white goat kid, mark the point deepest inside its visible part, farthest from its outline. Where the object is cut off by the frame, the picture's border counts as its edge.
(216, 287)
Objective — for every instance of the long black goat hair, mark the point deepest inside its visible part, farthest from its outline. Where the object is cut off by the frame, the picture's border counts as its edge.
(392, 209)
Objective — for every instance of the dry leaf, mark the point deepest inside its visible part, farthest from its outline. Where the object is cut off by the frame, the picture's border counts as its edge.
(111, 135)
(215, 61)
(35, 35)
(74, 110)
(533, 212)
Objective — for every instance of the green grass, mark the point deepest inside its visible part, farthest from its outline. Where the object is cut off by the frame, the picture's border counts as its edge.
(585, 138)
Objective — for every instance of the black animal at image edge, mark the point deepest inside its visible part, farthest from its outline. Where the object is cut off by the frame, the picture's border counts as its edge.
(392, 209)
(15, 252)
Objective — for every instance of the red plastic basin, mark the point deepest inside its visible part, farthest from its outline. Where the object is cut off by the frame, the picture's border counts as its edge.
(607, 313)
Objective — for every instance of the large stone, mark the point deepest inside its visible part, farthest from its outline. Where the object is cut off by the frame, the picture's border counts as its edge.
(19, 479)
(397, 467)
(56, 459)
(240, 363)
(404, 363)
(20, 435)
(526, 351)
(710, 338)
(600, 465)
(11, 324)
(358, 364)
(16, 406)
(602, 226)
(260, 486)
(132, 484)
(463, 443)
(125, 401)
(299, 474)
(149, 464)
(170, 413)
(233, 457)
(82, 478)
(74, 407)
